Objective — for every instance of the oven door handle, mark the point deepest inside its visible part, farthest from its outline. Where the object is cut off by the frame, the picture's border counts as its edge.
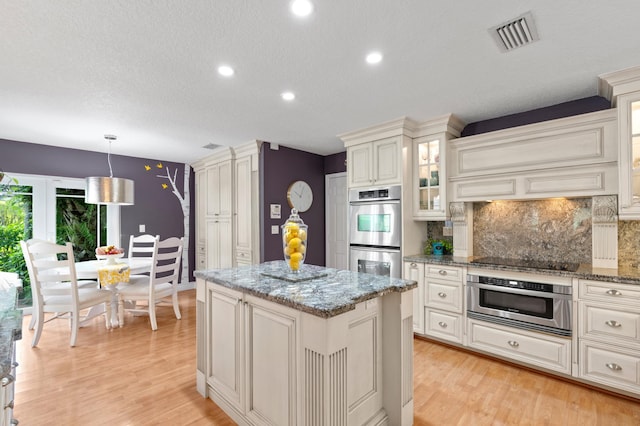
(502, 289)
(373, 203)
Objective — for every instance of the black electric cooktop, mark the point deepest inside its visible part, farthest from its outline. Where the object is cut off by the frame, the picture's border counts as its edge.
(531, 264)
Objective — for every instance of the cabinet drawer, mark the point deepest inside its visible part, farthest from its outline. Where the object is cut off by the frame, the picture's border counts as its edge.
(599, 320)
(610, 365)
(444, 272)
(544, 350)
(444, 325)
(609, 292)
(445, 295)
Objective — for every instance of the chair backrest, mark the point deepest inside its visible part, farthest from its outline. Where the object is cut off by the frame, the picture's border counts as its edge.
(142, 246)
(49, 266)
(166, 264)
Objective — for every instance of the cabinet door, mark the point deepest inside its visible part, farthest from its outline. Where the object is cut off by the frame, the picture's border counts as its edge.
(243, 205)
(201, 205)
(415, 271)
(225, 188)
(225, 344)
(629, 155)
(360, 165)
(212, 190)
(219, 243)
(386, 156)
(270, 363)
(429, 179)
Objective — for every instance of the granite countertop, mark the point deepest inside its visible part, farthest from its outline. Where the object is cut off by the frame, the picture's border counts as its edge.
(320, 291)
(10, 327)
(624, 274)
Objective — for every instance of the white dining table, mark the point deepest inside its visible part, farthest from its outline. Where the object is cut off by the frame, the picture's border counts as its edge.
(88, 270)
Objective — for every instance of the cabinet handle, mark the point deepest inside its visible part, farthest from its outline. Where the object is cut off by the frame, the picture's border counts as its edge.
(414, 265)
(513, 343)
(614, 292)
(443, 295)
(442, 272)
(613, 366)
(613, 323)
(9, 405)
(442, 324)
(7, 380)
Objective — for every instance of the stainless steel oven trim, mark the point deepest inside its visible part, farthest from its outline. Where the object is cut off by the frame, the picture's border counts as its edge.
(374, 254)
(391, 239)
(560, 323)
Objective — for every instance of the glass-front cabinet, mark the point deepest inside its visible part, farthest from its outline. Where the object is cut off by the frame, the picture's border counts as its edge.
(429, 175)
(430, 166)
(623, 88)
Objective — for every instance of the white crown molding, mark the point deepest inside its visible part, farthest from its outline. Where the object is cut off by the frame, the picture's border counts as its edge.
(448, 123)
(613, 84)
(219, 154)
(399, 127)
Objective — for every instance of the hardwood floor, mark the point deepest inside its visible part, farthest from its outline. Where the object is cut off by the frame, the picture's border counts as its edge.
(133, 376)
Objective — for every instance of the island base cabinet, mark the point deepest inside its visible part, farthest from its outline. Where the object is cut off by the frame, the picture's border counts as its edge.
(268, 364)
(613, 366)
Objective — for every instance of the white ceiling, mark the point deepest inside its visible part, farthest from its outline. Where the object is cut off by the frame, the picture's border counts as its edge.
(145, 70)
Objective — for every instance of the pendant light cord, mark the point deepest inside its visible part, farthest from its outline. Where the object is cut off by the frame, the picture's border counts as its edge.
(110, 138)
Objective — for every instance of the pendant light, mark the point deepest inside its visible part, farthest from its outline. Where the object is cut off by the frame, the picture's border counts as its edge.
(109, 190)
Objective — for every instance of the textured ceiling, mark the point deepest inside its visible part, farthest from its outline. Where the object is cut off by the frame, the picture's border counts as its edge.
(145, 70)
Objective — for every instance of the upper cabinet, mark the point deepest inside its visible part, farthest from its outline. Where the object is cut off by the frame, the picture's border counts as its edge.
(374, 155)
(623, 89)
(567, 157)
(429, 159)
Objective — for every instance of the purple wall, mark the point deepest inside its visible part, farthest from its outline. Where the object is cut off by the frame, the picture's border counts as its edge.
(278, 169)
(158, 209)
(565, 109)
(335, 163)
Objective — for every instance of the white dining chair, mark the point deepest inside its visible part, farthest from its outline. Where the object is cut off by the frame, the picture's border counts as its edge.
(161, 283)
(34, 311)
(55, 287)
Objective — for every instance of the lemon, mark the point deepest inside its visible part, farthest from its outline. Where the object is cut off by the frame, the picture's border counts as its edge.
(296, 257)
(294, 243)
(294, 265)
(302, 249)
(292, 226)
(302, 234)
(288, 236)
(287, 251)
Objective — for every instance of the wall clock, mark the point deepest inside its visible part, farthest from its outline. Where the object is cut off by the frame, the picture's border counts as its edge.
(300, 196)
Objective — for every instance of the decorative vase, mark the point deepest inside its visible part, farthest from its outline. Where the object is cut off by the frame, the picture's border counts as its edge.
(294, 241)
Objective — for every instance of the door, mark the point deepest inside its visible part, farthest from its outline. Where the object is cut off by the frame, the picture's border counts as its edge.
(337, 240)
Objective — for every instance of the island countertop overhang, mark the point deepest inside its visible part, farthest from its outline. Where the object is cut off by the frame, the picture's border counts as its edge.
(320, 291)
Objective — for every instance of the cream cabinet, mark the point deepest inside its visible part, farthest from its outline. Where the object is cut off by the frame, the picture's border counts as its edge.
(375, 163)
(227, 203)
(429, 160)
(537, 349)
(567, 157)
(246, 208)
(252, 356)
(415, 271)
(609, 334)
(623, 89)
(444, 302)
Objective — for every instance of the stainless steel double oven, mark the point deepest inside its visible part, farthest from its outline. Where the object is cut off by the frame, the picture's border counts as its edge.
(375, 224)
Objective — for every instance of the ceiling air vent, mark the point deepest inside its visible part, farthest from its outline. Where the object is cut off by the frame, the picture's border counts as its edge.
(210, 146)
(515, 33)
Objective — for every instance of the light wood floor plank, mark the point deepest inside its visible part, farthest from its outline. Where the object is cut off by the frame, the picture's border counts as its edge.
(133, 376)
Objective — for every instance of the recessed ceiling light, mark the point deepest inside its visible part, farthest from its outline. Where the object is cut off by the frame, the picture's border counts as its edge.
(288, 96)
(374, 57)
(225, 71)
(301, 8)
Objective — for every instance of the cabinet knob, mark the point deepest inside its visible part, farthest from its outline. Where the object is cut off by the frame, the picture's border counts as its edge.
(513, 343)
(442, 295)
(442, 272)
(613, 323)
(414, 265)
(613, 366)
(614, 292)
(442, 324)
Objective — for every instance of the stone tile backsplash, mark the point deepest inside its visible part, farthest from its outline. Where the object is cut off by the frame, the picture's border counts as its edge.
(551, 229)
(629, 243)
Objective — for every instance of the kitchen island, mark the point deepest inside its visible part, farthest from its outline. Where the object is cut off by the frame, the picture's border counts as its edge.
(324, 346)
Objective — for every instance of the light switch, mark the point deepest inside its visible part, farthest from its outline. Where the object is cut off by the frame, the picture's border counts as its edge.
(275, 230)
(142, 228)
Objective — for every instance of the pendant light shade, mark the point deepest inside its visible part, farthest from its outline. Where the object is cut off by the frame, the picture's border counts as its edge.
(109, 190)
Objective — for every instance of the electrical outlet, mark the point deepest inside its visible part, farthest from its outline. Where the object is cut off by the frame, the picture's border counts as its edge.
(275, 230)
(142, 228)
